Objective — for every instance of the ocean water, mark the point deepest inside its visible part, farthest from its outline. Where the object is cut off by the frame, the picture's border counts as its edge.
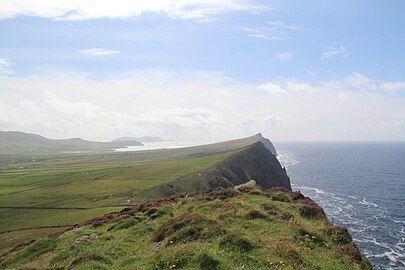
(360, 186)
(157, 145)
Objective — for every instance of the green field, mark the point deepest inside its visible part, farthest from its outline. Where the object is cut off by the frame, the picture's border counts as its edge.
(51, 191)
(223, 229)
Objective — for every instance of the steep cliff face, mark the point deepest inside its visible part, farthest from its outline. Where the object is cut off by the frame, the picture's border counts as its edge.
(267, 143)
(255, 162)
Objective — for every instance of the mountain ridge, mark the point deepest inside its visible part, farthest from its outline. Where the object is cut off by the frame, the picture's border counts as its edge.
(22, 141)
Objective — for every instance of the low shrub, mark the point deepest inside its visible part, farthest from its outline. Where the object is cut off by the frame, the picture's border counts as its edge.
(297, 195)
(206, 262)
(352, 251)
(228, 214)
(176, 258)
(256, 192)
(289, 253)
(125, 224)
(205, 230)
(223, 193)
(151, 211)
(89, 257)
(286, 216)
(39, 247)
(310, 239)
(186, 234)
(175, 224)
(270, 209)
(236, 242)
(96, 224)
(312, 211)
(255, 214)
(280, 197)
(339, 235)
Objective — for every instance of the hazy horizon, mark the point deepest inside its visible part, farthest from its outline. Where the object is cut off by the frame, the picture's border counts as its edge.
(199, 142)
(204, 71)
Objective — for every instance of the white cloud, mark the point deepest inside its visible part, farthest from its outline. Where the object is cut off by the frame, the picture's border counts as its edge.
(393, 86)
(261, 33)
(295, 87)
(85, 10)
(273, 30)
(181, 105)
(282, 25)
(351, 83)
(333, 52)
(5, 66)
(197, 106)
(273, 88)
(288, 87)
(284, 56)
(270, 122)
(361, 82)
(358, 80)
(99, 51)
(253, 124)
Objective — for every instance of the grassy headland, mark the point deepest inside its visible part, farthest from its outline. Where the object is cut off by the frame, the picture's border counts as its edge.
(41, 193)
(222, 229)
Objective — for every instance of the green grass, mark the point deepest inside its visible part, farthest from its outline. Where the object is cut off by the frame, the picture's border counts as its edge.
(77, 188)
(92, 185)
(214, 231)
(43, 159)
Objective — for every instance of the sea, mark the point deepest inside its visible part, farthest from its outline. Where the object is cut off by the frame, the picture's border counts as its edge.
(157, 145)
(360, 186)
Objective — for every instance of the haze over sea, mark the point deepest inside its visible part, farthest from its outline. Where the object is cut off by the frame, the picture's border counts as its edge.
(360, 186)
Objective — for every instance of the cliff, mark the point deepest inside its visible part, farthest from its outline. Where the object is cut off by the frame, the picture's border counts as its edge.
(267, 143)
(255, 162)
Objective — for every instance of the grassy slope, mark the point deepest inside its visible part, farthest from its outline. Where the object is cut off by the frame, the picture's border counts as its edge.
(60, 190)
(224, 229)
(77, 193)
(51, 159)
(21, 142)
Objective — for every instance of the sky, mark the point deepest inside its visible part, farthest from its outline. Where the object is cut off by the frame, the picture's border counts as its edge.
(203, 71)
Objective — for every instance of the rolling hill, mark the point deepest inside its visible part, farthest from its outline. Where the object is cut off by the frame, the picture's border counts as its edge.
(16, 141)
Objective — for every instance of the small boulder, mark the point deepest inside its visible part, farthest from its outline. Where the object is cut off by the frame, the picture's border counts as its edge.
(83, 239)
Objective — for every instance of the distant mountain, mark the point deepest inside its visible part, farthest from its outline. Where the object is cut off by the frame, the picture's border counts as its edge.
(16, 141)
(144, 139)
